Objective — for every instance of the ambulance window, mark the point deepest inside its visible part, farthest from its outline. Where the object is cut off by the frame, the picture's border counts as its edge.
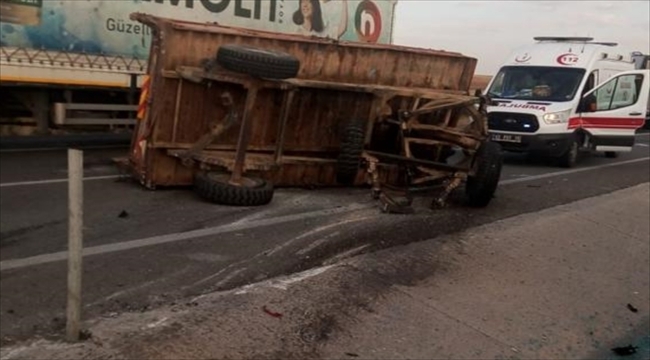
(541, 83)
(625, 93)
(591, 81)
(618, 92)
(497, 85)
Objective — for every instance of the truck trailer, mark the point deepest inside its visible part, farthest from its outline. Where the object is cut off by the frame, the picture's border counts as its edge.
(237, 113)
(78, 66)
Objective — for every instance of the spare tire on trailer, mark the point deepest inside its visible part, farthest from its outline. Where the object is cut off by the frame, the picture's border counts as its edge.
(480, 187)
(262, 63)
(214, 187)
(351, 148)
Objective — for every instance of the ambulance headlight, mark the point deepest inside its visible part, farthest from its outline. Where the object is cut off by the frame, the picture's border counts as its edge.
(559, 117)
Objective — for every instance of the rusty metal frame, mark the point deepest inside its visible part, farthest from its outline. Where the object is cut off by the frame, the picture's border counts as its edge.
(412, 115)
(447, 133)
(284, 116)
(216, 128)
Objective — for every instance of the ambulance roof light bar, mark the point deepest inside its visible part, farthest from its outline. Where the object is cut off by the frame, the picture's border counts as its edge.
(563, 39)
(605, 43)
(585, 40)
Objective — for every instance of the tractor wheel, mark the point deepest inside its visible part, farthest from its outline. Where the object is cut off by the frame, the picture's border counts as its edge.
(214, 187)
(260, 63)
(480, 187)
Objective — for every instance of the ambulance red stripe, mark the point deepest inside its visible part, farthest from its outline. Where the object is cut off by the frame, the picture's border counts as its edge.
(606, 123)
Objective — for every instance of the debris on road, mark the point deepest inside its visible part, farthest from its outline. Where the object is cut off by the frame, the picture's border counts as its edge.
(625, 350)
(123, 214)
(271, 313)
(632, 308)
(85, 334)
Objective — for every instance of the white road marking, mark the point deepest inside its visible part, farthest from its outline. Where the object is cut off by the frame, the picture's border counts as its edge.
(314, 231)
(284, 282)
(212, 276)
(318, 242)
(262, 254)
(55, 181)
(571, 171)
(641, 144)
(174, 237)
(346, 254)
(157, 323)
(163, 239)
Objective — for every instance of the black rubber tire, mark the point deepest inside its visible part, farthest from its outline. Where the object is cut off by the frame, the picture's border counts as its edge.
(385, 138)
(215, 188)
(481, 187)
(349, 158)
(570, 158)
(611, 154)
(262, 63)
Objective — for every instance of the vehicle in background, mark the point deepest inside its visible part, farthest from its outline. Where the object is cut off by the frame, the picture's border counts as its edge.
(80, 65)
(562, 95)
(642, 61)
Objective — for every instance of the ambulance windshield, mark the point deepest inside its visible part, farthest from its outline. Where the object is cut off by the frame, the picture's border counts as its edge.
(536, 83)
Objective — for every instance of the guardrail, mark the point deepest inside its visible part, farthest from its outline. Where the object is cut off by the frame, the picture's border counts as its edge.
(62, 114)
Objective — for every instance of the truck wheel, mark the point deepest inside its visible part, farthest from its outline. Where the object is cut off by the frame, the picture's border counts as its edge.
(350, 153)
(214, 187)
(611, 154)
(481, 187)
(570, 157)
(261, 63)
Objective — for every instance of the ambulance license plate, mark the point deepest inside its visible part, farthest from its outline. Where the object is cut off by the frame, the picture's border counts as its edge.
(505, 138)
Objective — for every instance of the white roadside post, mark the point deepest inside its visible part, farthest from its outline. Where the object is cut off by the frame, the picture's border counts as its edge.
(75, 242)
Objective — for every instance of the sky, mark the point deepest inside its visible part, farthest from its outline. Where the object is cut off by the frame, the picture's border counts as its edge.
(490, 30)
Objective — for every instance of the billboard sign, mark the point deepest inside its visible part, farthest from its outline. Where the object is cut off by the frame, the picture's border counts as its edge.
(103, 26)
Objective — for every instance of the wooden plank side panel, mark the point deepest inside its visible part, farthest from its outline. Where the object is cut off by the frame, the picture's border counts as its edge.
(414, 67)
(316, 118)
(307, 130)
(334, 64)
(162, 108)
(312, 130)
(468, 74)
(311, 175)
(266, 117)
(190, 116)
(168, 171)
(327, 174)
(319, 61)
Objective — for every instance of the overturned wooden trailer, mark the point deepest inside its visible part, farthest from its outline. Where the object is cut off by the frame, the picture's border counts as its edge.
(236, 112)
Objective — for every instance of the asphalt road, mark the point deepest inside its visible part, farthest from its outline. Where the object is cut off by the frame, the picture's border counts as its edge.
(173, 245)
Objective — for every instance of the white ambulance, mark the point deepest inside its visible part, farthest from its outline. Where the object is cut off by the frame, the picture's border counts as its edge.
(562, 95)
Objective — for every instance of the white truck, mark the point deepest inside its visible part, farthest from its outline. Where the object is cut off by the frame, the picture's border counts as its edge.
(79, 65)
(562, 95)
